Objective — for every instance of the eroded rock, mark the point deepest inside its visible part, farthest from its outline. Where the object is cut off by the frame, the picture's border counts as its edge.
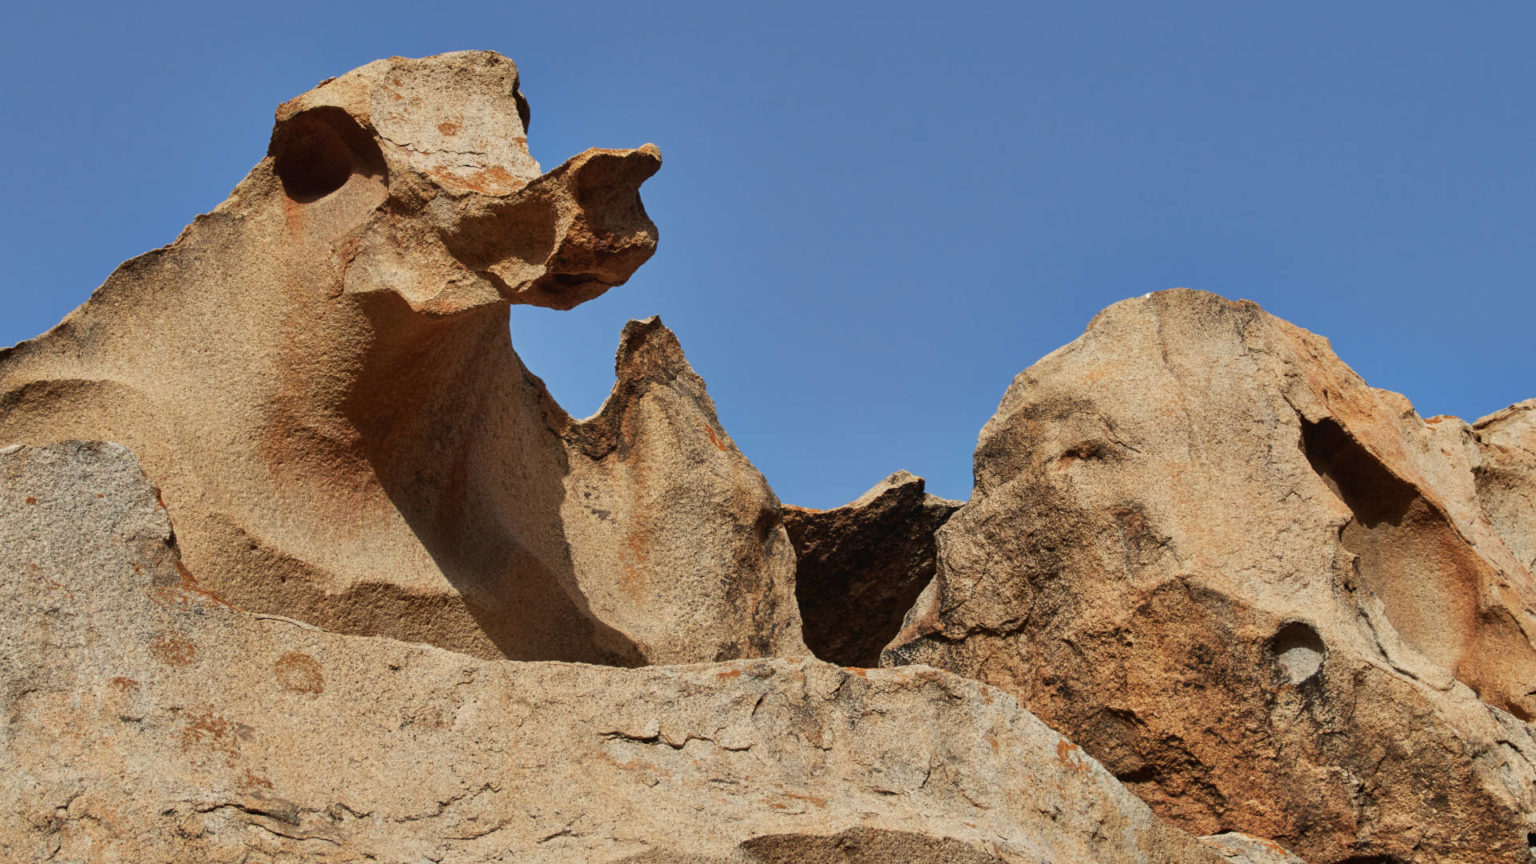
(319, 375)
(147, 721)
(1243, 849)
(676, 540)
(1506, 476)
(861, 566)
(1261, 592)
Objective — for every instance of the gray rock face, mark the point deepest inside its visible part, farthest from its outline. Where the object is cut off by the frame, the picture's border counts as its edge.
(1260, 592)
(147, 721)
(861, 566)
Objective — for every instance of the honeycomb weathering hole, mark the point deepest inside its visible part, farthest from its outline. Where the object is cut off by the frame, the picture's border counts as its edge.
(1407, 551)
(316, 152)
(1298, 651)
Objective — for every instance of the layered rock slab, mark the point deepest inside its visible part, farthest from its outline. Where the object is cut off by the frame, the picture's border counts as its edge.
(861, 566)
(319, 375)
(147, 721)
(1261, 592)
(1240, 848)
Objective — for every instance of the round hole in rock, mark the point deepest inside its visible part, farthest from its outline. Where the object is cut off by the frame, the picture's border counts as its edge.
(1298, 651)
(312, 158)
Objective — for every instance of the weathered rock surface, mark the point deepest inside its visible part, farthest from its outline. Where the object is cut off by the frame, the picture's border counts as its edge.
(1269, 598)
(146, 721)
(319, 375)
(676, 540)
(1243, 849)
(1259, 591)
(1506, 476)
(861, 566)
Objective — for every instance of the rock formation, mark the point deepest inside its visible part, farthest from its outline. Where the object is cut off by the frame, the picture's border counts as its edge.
(1259, 591)
(345, 608)
(319, 376)
(1505, 468)
(148, 722)
(860, 567)
(676, 540)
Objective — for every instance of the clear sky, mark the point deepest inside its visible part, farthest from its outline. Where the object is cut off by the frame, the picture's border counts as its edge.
(873, 215)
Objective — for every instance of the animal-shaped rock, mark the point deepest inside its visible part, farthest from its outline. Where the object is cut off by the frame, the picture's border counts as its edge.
(319, 376)
(1262, 593)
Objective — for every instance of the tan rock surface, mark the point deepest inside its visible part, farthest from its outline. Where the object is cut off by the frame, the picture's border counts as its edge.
(1506, 476)
(1243, 849)
(320, 377)
(860, 567)
(148, 722)
(676, 540)
(1258, 590)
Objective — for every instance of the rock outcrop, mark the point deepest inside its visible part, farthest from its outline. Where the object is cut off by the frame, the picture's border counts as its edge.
(1506, 476)
(1274, 603)
(146, 721)
(319, 376)
(861, 566)
(1259, 591)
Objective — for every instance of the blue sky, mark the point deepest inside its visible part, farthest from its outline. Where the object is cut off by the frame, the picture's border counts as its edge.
(873, 215)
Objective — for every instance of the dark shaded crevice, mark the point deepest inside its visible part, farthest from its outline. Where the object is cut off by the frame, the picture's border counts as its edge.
(1374, 494)
(863, 846)
(1406, 550)
(861, 567)
(317, 151)
(1144, 774)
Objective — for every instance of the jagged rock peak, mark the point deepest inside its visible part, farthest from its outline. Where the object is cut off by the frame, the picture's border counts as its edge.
(677, 541)
(647, 349)
(649, 354)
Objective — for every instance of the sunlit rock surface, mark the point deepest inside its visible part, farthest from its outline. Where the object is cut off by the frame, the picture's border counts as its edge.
(1259, 591)
(319, 376)
(149, 722)
(348, 608)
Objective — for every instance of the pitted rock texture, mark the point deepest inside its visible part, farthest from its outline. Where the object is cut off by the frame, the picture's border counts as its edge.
(1259, 591)
(319, 376)
(1506, 476)
(148, 722)
(676, 540)
(860, 567)
(1242, 849)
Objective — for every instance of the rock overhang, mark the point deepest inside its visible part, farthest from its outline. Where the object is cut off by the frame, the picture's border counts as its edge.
(432, 154)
